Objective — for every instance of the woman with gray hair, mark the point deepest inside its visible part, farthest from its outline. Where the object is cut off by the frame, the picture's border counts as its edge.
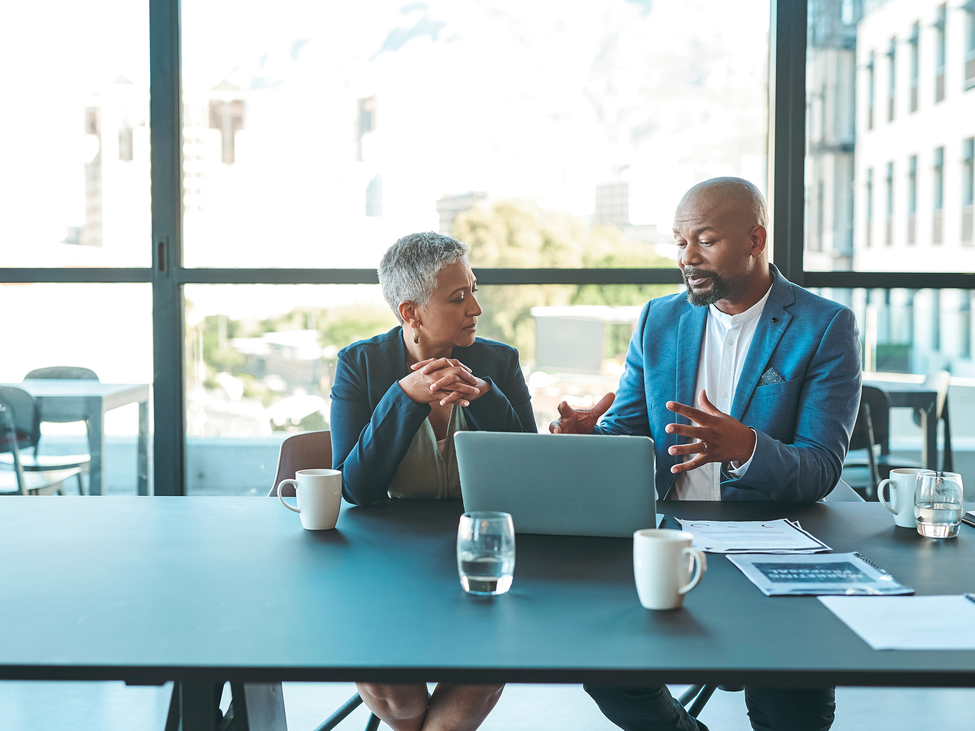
(397, 401)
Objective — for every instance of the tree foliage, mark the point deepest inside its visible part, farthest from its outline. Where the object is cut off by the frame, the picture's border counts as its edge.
(519, 234)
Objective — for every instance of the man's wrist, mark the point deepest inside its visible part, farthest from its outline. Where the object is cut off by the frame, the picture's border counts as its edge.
(737, 468)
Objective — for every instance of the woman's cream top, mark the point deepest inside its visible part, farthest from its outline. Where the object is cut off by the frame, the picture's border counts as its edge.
(429, 471)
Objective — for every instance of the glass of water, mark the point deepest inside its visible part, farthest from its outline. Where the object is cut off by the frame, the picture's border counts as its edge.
(486, 552)
(939, 503)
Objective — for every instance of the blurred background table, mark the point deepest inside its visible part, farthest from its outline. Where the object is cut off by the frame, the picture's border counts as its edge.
(89, 400)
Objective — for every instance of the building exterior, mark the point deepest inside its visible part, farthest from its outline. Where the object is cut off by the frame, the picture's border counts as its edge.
(830, 134)
(117, 167)
(117, 196)
(914, 137)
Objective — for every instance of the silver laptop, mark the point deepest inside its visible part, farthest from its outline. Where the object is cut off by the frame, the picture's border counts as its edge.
(560, 484)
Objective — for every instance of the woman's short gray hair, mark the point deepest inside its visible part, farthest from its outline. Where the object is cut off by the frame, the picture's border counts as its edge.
(409, 269)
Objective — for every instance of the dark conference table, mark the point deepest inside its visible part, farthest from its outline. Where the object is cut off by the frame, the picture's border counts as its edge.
(202, 590)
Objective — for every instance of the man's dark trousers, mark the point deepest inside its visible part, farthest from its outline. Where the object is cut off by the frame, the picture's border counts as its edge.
(653, 708)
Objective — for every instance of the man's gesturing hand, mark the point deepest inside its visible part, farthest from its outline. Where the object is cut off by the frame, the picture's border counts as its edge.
(580, 421)
(720, 438)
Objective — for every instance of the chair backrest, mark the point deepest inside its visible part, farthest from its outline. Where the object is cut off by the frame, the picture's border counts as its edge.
(63, 372)
(70, 372)
(308, 451)
(879, 403)
(862, 436)
(21, 413)
(843, 493)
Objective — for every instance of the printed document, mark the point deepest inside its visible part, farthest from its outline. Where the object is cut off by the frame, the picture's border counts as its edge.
(752, 536)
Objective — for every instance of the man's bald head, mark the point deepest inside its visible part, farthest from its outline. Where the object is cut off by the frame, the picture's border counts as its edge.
(721, 233)
(737, 196)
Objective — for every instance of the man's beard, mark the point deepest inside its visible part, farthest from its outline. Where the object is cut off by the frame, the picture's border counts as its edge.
(721, 288)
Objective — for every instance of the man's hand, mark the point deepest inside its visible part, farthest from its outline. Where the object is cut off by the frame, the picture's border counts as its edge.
(446, 380)
(580, 421)
(720, 438)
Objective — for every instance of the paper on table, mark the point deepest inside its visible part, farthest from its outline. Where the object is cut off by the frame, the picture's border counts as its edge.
(752, 536)
(909, 622)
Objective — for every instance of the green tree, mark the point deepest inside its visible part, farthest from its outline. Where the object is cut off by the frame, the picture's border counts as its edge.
(519, 234)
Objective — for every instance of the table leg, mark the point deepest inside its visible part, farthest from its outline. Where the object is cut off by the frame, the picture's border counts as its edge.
(194, 707)
(143, 449)
(96, 447)
(258, 707)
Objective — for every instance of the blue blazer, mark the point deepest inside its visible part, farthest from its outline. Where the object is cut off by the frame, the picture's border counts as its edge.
(803, 423)
(373, 421)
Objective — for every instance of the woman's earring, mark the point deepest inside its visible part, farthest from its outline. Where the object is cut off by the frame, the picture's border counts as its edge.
(416, 334)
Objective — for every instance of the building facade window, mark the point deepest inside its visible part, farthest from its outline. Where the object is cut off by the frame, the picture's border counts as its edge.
(889, 217)
(912, 200)
(891, 78)
(871, 89)
(939, 196)
(940, 23)
(869, 208)
(915, 65)
(969, 9)
(967, 189)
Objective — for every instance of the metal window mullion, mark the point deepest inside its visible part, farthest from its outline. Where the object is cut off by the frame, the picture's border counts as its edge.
(890, 280)
(165, 118)
(74, 275)
(787, 134)
(669, 275)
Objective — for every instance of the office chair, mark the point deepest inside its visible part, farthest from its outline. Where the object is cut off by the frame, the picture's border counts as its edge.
(870, 436)
(34, 462)
(20, 429)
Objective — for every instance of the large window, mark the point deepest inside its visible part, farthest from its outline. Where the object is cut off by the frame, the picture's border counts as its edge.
(317, 139)
(260, 360)
(84, 325)
(75, 128)
(550, 137)
(290, 145)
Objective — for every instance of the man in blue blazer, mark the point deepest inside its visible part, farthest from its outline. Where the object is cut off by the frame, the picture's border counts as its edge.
(774, 373)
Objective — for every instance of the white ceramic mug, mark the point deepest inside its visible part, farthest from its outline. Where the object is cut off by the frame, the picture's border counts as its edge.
(901, 491)
(662, 561)
(319, 497)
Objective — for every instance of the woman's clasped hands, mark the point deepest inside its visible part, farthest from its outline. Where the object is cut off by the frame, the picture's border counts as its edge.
(443, 380)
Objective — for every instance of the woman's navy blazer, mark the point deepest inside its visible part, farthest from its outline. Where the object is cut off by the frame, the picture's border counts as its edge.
(373, 421)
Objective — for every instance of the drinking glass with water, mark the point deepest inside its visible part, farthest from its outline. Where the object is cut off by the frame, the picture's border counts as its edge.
(939, 503)
(486, 552)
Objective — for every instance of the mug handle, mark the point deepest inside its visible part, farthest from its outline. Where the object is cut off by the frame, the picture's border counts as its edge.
(281, 484)
(880, 495)
(701, 565)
